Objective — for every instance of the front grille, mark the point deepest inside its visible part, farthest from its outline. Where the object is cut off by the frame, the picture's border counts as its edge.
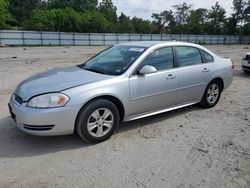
(18, 99)
(245, 67)
(38, 127)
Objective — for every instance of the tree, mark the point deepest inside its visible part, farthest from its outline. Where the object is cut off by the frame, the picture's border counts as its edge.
(77, 5)
(182, 11)
(94, 22)
(124, 24)
(107, 8)
(141, 26)
(85, 5)
(246, 16)
(217, 19)
(66, 20)
(246, 13)
(196, 22)
(239, 8)
(4, 15)
(231, 25)
(165, 18)
(21, 10)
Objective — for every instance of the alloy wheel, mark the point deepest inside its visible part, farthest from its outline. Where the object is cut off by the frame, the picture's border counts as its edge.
(213, 93)
(100, 122)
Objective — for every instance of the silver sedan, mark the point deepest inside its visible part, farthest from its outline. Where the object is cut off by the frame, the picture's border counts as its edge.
(122, 83)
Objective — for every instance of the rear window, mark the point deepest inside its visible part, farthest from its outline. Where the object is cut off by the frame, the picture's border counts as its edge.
(207, 58)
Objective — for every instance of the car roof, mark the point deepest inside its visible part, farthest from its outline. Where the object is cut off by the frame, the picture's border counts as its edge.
(148, 44)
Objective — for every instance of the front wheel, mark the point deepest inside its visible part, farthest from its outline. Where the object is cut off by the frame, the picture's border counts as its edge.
(212, 94)
(97, 121)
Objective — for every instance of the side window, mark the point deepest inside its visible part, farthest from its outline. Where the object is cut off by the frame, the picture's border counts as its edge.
(207, 57)
(161, 59)
(188, 56)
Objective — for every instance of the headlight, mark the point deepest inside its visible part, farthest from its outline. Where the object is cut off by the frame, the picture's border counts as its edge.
(50, 100)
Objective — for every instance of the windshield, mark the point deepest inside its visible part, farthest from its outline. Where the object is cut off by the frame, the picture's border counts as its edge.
(247, 57)
(114, 60)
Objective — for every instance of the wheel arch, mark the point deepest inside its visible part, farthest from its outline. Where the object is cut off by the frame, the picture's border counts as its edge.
(220, 80)
(111, 98)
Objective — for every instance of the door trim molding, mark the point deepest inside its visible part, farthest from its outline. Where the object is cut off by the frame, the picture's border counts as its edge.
(146, 114)
(164, 92)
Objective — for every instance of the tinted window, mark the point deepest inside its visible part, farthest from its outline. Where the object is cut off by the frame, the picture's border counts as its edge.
(113, 61)
(207, 57)
(247, 57)
(161, 59)
(188, 56)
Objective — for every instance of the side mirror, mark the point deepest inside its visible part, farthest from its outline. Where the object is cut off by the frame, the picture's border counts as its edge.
(147, 69)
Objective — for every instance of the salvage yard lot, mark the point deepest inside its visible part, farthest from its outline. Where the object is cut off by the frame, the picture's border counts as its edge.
(190, 147)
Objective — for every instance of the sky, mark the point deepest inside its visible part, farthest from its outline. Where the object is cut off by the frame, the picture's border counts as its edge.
(145, 8)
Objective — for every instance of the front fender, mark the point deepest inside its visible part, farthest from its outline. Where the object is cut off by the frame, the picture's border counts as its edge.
(118, 88)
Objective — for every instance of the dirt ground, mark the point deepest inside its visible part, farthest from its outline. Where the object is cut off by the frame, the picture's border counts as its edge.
(190, 147)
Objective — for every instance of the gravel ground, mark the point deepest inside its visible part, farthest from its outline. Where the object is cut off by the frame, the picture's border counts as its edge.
(190, 147)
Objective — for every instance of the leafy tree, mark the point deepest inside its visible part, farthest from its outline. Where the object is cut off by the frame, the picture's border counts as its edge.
(124, 24)
(109, 10)
(246, 16)
(182, 12)
(141, 26)
(77, 5)
(66, 20)
(85, 5)
(196, 22)
(21, 9)
(59, 4)
(4, 15)
(94, 22)
(165, 18)
(246, 12)
(239, 8)
(231, 25)
(217, 19)
(89, 16)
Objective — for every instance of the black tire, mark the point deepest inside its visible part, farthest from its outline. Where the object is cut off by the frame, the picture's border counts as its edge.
(85, 115)
(247, 72)
(204, 102)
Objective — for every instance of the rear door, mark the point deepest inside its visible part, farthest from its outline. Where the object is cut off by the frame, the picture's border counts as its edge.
(193, 74)
(157, 90)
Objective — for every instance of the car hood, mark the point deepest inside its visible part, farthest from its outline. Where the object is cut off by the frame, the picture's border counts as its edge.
(56, 80)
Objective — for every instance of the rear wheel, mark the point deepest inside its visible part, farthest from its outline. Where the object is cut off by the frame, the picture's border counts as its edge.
(97, 121)
(212, 94)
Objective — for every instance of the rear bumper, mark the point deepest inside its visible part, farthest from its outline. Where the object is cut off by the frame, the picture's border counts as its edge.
(43, 122)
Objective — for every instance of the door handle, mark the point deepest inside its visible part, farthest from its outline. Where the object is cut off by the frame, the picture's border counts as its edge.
(205, 70)
(170, 76)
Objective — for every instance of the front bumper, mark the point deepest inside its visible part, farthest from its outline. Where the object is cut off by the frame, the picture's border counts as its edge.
(246, 65)
(44, 122)
(245, 68)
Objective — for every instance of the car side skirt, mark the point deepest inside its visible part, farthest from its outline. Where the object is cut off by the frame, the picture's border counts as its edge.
(151, 113)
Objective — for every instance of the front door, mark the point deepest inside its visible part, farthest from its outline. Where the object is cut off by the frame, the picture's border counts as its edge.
(157, 90)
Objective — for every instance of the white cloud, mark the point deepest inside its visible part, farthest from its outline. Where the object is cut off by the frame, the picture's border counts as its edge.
(144, 9)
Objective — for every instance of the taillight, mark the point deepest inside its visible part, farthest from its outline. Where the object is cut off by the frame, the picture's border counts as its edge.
(233, 66)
